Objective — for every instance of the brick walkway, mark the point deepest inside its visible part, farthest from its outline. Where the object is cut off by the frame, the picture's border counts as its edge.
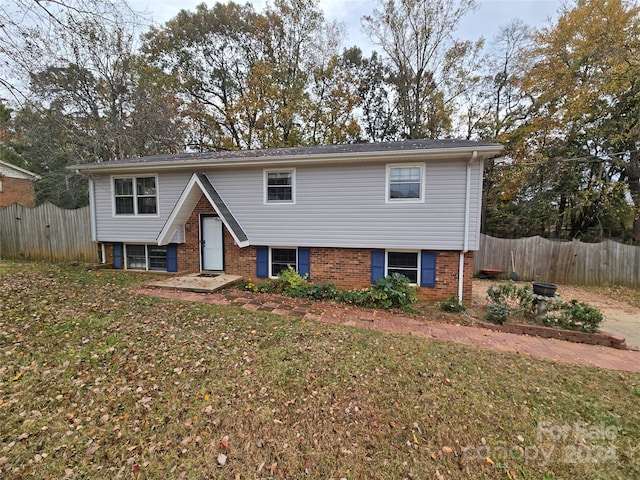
(550, 349)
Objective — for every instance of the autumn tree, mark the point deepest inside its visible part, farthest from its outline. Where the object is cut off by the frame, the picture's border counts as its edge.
(416, 39)
(585, 114)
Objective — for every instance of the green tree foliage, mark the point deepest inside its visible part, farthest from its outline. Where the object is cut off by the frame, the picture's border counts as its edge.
(584, 91)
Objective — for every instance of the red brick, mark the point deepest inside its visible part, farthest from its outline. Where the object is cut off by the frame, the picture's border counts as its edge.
(17, 190)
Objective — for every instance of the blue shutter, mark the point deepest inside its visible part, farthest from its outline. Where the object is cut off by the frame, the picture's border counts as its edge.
(377, 265)
(304, 262)
(117, 256)
(428, 269)
(172, 257)
(262, 262)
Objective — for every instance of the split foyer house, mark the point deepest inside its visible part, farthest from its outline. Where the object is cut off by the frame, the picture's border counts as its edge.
(345, 214)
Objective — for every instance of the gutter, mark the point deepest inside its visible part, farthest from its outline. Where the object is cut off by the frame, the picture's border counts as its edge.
(467, 214)
(202, 162)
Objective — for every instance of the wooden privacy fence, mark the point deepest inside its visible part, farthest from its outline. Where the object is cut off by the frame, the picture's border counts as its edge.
(573, 263)
(46, 233)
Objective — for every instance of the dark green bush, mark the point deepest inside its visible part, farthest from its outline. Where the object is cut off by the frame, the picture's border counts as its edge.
(451, 304)
(573, 315)
(393, 291)
(497, 313)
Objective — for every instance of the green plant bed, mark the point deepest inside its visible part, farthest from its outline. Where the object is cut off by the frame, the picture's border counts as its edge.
(392, 291)
(508, 302)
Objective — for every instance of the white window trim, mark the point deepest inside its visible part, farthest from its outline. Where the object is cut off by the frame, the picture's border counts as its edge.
(400, 250)
(422, 167)
(271, 259)
(147, 267)
(265, 182)
(135, 197)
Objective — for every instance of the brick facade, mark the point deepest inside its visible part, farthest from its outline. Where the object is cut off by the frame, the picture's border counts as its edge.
(17, 190)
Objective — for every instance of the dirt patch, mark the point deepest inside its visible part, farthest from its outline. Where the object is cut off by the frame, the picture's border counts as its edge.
(618, 305)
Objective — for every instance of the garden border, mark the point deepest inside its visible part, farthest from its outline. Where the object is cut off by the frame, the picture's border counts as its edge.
(600, 338)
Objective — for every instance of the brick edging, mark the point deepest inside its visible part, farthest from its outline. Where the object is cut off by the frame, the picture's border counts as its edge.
(599, 338)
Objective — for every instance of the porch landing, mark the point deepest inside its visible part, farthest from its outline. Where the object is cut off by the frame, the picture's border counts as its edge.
(197, 282)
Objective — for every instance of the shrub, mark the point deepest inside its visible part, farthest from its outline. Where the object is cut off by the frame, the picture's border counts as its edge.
(497, 313)
(507, 300)
(393, 291)
(451, 304)
(573, 315)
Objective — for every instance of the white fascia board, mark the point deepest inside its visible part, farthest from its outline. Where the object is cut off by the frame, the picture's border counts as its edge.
(458, 153)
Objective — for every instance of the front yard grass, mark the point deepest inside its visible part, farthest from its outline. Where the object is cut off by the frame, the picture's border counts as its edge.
(98, 382)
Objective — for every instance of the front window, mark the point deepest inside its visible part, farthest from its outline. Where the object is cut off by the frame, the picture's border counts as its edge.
(136, 257)
(146, 257)
(279, 186)
(404, 183)
(135, 196)
(281, 258)
(404, 263)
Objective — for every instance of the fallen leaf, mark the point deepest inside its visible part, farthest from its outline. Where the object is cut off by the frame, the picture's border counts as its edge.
(224, 442)
(18, 376)
(447, 450)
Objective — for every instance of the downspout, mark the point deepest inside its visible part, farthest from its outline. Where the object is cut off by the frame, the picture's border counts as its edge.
(467, 214)
(92, 216)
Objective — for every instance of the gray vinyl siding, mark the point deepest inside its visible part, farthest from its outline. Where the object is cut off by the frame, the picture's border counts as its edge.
(336, 206)
(141, 228)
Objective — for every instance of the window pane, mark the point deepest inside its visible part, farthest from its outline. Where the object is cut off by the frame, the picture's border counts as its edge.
(279, 193)
(412, 275)
(404, 182)
(403, 259)
(405, 174)
(146, 185)
(146, 205)
(157, 257)
(281, 258)
(404, 263)
(124, 205)
(279, 178)
(136, 257)
(404, 190)
(123, 186)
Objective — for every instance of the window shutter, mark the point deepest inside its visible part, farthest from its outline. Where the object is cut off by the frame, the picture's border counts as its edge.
(117, 256)
(428, 269)
(377, 265)
(172, 257)
(262, 262)
(304, 262)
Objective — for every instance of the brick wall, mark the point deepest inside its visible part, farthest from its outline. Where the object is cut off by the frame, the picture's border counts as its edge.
(17, 190)
(189, 252)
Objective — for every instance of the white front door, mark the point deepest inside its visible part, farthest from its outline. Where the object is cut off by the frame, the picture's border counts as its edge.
(212, 245)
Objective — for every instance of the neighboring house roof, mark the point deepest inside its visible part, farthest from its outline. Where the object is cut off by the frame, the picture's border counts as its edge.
(12, 171)
(302, 155)
(187, 202)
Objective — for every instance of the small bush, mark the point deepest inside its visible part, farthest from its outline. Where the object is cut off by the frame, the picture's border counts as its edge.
(497, 313)
(573, 315)
(393, 291)
(451, 304)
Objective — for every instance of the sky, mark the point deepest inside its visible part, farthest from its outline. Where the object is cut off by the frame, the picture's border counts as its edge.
(485, 21)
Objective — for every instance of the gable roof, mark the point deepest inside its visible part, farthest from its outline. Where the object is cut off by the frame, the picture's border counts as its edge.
(453, 149)
(199, 184)
(13, 171)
